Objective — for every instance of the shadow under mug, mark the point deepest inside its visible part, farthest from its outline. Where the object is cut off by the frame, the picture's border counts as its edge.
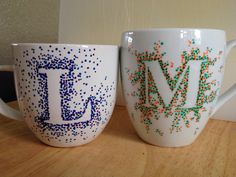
(66, 93)
(171, 81)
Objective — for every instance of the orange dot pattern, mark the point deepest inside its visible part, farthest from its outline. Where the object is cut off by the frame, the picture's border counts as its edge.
(179, 116)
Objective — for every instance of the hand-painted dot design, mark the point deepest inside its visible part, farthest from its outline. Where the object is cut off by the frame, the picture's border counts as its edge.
(150, 100)
(75, 68)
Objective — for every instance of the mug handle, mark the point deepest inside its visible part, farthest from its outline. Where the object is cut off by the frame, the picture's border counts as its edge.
(4, 108)
(232, 90)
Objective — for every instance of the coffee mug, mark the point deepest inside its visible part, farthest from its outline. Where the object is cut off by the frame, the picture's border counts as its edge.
(171, 81)
(66, 93)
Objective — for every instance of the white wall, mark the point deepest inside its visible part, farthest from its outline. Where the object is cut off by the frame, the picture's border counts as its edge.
(27, 21)
(103, 21)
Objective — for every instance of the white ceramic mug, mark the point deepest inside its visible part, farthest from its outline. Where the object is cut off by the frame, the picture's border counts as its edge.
(66, 93)
(171, 81)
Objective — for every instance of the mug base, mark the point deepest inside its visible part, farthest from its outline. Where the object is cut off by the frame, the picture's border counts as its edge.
(65, 145)
(167, 144)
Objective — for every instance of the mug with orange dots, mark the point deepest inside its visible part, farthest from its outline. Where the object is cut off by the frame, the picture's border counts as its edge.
(171, 81)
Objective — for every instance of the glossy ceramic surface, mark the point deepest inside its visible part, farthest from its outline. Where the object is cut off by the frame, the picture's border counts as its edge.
(171, 81)
(66, 93)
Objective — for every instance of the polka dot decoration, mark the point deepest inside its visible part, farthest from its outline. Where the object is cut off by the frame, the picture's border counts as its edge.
(66, 92)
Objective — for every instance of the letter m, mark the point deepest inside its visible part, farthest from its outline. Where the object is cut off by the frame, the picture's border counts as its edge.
(165, 92)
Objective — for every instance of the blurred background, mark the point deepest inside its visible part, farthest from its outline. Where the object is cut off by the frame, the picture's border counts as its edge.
(24, 21)
(103, 21)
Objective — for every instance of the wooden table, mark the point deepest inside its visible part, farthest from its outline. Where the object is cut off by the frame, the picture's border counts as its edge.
(117, 152)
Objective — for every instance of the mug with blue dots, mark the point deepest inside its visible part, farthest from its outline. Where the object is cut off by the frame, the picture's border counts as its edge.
(66, 92)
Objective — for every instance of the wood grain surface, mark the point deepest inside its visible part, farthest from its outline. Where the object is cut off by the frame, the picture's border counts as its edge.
(117, 152)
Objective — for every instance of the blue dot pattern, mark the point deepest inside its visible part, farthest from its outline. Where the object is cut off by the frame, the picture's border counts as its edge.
(78, 90)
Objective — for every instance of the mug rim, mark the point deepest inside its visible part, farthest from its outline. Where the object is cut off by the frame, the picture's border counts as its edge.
(174, 29)
(63, 44)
